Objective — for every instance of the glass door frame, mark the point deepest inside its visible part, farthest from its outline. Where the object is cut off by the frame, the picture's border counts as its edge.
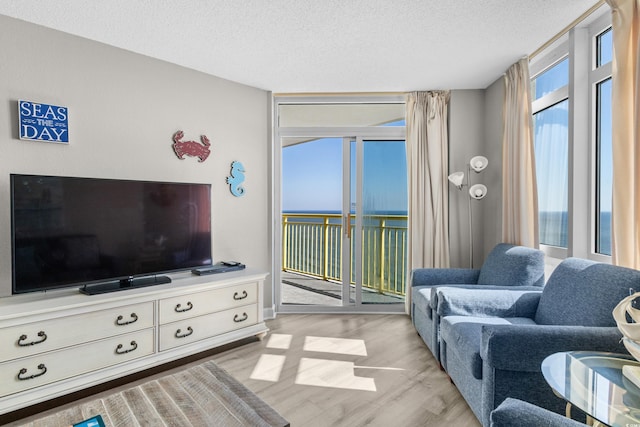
(348, 134)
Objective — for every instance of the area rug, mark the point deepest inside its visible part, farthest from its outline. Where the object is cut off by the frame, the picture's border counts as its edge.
(203, 395)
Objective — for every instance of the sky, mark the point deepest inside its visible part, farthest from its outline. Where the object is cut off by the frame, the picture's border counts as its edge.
(312, 176)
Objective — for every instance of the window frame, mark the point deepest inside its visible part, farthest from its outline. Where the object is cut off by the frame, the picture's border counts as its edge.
(580, 46)
(596, 76)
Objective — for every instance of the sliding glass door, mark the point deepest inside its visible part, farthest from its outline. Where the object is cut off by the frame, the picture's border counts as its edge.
(341, 189)
(344, 223)
(379, 195)
(312, 222)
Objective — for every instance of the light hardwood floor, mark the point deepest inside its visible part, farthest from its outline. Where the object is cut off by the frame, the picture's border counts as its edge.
(322, 356)
(315, 387)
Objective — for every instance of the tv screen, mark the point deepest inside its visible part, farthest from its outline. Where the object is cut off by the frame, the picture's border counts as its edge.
(70, 231)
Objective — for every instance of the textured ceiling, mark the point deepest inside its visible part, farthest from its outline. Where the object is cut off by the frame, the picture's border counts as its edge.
(320, 45)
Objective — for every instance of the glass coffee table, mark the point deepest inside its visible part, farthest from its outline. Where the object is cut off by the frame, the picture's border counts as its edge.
(593, 382)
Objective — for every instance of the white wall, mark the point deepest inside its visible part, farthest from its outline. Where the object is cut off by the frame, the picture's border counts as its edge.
(123, 111)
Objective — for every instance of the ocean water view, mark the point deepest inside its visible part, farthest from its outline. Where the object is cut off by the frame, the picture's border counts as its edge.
(554, 228)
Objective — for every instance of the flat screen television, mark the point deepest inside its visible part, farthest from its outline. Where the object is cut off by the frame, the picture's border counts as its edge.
(104, 235)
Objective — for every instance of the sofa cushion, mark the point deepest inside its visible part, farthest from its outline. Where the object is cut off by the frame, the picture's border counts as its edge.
(486, 300)
(463, 336)
(440, 276)
(584, 293)
(421, 297)
(509, 265)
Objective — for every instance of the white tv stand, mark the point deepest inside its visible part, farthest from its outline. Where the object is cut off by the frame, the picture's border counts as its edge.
(59, 342)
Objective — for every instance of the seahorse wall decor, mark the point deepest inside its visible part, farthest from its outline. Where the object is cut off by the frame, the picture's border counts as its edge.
(236, 178)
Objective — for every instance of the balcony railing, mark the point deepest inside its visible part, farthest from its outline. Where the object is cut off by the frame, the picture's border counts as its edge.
(312, 245)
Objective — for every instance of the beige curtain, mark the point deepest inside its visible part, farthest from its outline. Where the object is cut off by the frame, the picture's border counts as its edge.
(625, 216)
(427, 164)
(519, 189)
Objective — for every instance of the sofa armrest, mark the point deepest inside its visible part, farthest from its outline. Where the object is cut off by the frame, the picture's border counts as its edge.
(440, 276)
(486, 301)
(524, 347)
(517, 413)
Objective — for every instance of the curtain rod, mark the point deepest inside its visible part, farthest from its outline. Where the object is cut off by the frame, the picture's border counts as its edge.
(566, 29)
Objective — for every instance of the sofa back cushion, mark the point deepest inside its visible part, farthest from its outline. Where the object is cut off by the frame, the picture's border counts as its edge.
(510, 265)
(584, 293)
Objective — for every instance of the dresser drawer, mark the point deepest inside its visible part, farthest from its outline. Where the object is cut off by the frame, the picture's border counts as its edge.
(198, 328)
(34, 371)
(34, 338)
(199, 303)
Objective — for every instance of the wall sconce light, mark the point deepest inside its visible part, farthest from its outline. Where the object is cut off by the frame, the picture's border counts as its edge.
(476, 191)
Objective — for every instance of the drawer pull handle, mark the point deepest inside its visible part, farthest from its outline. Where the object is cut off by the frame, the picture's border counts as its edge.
(179, 333)
(179, 308)
(239, 319)
(120, 322)
(23, 371)
(238, 297)
(119, 349)
(41, 334)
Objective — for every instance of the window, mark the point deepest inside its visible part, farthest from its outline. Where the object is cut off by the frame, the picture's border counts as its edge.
(604, 46)
(571, 107)
(604, 161)
(604, 165)
(551, 140)
(551, 80)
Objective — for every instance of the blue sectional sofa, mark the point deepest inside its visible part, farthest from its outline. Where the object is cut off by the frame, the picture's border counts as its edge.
(492, 343)
(506, 266)
(517, 413)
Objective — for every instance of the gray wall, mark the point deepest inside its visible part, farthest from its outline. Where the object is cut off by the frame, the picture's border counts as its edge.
(123, 111)
(467, 139)
(475, 129)
(492, 204)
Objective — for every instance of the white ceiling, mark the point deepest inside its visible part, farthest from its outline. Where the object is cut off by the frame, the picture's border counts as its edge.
(320, 45)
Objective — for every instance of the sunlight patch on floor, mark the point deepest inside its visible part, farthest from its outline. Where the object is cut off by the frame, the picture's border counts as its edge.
(335, 346)
(280, 341)
(318, 372)
(332, 373)
(268, 368)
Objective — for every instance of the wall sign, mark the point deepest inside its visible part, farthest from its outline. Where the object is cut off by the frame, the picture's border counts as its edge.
(236, 178)
(43, 122)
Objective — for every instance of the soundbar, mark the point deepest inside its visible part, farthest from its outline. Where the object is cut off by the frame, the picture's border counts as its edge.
(221, 267)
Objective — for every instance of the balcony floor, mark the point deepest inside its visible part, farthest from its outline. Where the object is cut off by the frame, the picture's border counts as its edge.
(304, 290)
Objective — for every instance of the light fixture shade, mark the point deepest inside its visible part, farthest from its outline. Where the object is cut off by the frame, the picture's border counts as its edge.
(478, 191)
(478, 163)
(456, 179)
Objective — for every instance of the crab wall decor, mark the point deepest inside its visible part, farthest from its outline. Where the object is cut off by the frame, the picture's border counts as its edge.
(191, 148)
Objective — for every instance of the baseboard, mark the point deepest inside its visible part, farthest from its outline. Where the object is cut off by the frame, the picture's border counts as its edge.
(269, 312)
